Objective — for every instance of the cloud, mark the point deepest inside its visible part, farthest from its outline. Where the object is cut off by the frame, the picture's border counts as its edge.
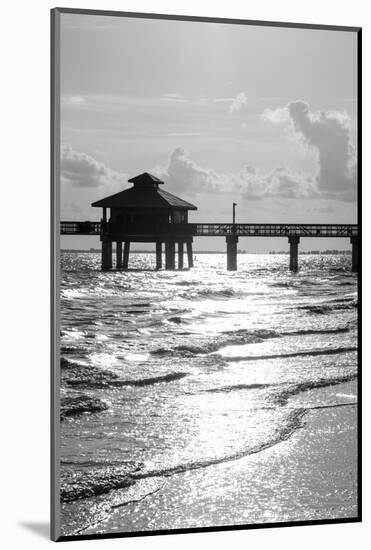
(238, 103)
(184, 175)
(281, 182)
(183, 134)
(221, 99)
(82, 170)
(73, 99)
(327, 209)
(327, 134)
(173, 97)
(277, 116)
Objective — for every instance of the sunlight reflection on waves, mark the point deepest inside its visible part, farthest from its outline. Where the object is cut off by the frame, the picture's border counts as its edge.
(156, 350)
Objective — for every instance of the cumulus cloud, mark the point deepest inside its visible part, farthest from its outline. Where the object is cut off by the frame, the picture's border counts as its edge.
(238, 103)
(327, 134)
(281, 182)
(276, 115)
(185, 175)
(82, 170)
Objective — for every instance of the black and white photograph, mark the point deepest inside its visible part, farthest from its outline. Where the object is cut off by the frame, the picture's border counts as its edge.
(208, 253)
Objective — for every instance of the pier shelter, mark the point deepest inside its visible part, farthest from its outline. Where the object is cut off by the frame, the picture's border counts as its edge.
(145, 213)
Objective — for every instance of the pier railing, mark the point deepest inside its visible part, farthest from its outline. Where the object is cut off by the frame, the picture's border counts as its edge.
(275, 230)
(81, 228)
(222, 229)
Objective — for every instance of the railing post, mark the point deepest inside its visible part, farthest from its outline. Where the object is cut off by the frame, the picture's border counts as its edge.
(294, 242)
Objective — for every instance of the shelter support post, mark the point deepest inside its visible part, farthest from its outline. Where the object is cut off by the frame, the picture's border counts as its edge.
(158, 255)
(119, 254)
(180, 254)
(294, 246)
(106, 254)
(170, 255)
(126, 254)
(232, 241)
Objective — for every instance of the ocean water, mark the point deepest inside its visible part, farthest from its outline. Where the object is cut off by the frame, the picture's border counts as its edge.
(166, 374)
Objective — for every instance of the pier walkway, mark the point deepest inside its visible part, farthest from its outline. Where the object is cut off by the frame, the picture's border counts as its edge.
(225, 229)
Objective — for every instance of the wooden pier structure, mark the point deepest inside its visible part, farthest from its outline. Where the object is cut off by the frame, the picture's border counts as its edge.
(144, 213)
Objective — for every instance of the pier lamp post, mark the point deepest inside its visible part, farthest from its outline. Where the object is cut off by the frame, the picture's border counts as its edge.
(234, 212)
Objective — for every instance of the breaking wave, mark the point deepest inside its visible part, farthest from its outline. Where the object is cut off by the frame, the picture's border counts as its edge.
(238, 337)
(85, 483)
(80, 404)
(72, 350)
(328, 308)
(170, 377)
(88, 376)
(238, 387)
(227, 292)
(98, 481)
(304, 332)
(280, 393)
(314, 352)
(282, 396)
(241, 337)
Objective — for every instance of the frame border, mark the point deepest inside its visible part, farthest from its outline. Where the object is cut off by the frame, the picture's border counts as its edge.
(55, 270)
(142, 15)
(55, 275)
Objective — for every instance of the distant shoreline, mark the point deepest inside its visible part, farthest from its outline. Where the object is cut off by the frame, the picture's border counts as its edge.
(313, 252)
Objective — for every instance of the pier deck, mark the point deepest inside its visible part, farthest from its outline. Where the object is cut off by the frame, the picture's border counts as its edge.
(238, 229)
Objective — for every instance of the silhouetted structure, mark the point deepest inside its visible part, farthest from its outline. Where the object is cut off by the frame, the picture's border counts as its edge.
(145, 213)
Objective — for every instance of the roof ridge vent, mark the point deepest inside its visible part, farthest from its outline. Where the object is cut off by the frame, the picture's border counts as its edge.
(146, 181)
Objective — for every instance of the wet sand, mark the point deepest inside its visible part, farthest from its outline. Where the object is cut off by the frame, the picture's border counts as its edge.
(310, 476)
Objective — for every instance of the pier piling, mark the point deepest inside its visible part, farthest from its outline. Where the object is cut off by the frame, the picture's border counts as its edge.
(232, 241)
(294, 242)
(354, 241)
(190, 254)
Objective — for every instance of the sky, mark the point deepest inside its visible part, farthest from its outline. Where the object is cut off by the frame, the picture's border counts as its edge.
(262, 116)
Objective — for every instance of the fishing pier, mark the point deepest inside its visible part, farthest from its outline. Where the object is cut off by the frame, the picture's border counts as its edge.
(147, 214)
